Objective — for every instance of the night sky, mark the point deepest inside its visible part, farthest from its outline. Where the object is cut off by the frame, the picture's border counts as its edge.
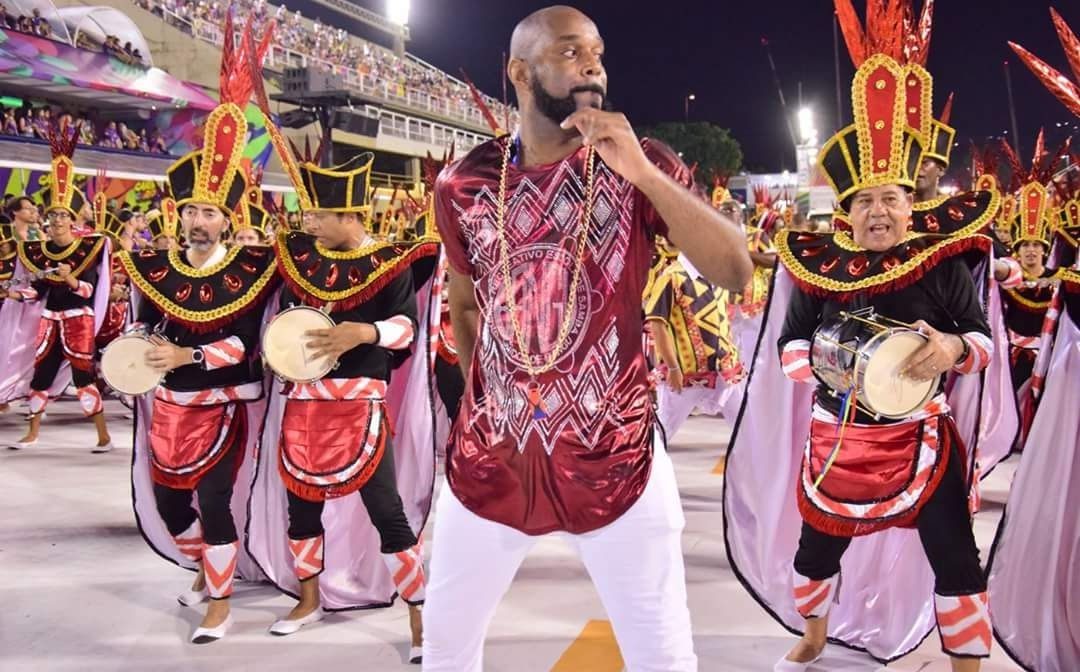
(713, 49)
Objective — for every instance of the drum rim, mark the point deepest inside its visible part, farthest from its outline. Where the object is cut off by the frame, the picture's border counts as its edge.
(311, 309)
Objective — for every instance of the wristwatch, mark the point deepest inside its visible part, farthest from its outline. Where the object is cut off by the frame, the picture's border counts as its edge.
(964, 354)
(197, 356)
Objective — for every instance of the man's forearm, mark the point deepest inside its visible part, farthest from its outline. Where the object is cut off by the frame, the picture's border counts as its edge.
(713, 243)
(763, 259)
(665, 344)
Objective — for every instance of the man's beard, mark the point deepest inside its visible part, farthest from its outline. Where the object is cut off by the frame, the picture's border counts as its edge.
(558, 109)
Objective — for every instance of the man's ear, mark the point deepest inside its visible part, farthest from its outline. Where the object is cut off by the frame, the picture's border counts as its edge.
(518, 72)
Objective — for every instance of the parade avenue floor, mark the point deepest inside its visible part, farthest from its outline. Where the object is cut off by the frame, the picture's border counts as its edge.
(84, 592)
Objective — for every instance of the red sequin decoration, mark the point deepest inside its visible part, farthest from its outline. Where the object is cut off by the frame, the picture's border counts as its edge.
(312, 270)
(829, 265)
(332, 276)
(303, 256)
(932, 223)
(858, 265)
(250, 268)
(206, 293)
(232, 283)
(955, 213)
(354, 276)
(890, 262)
(158, 273)
(811, 251)
(183, 292)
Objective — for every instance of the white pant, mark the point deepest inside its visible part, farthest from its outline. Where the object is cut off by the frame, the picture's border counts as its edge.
(673, 408)
(635, 563)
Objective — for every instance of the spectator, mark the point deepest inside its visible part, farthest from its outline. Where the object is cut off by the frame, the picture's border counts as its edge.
(9, 125)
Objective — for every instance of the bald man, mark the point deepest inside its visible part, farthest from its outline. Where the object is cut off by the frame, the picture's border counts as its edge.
(549, 235)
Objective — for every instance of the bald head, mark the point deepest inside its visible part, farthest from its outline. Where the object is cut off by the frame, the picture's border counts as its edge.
(556, 63)
(543, 26)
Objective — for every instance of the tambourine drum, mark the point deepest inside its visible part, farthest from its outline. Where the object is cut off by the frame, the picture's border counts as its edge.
(124, 367)
(285, 349)
(867, 352)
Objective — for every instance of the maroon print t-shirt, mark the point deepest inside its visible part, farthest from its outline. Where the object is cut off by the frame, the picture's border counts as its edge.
(582, 457)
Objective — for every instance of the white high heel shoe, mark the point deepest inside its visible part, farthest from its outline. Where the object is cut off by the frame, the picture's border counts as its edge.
(207, 635)
(102, 449)
(191, 598)
(288, 627)
(416, 655)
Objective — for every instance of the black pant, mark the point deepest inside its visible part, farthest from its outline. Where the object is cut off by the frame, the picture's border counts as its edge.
(383, 503)
(45, 371)
(215, 497)
(944, 526)
(451, 386)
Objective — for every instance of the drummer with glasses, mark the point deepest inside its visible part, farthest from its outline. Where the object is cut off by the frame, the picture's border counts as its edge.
(863, 472)
(335, 428)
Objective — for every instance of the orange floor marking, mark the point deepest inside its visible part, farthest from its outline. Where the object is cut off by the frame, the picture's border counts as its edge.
(594, 650)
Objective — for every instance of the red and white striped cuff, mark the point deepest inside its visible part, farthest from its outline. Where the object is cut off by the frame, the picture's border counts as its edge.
(27, 293)
(190, 542)
(396, 333)
(1015, 278)
(89, 399)
(226, 352)
(964, 624)
(980, 348)
(407, 570)
(84, 289)
(814, 598)
(307, 556)
(795, 360)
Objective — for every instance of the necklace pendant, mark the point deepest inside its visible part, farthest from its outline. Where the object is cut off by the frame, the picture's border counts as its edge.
(536, 402)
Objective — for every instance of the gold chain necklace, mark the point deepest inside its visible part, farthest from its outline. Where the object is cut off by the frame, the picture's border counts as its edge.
(532, 389)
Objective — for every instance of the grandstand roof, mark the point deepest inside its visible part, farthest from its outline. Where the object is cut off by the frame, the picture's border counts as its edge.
(44, 68)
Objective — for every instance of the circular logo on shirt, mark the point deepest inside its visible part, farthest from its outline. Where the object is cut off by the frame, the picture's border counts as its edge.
(540, 277)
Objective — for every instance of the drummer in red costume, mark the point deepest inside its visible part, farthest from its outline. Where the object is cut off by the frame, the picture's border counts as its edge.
(67, 278)
(335, 434)
(549, 236)
(202, 306)
(863, 472)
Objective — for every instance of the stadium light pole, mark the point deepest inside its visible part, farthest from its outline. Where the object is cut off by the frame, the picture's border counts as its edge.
(686, 106)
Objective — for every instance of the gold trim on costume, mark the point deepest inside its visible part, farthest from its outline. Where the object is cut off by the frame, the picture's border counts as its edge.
(91, 256)
(172, 309)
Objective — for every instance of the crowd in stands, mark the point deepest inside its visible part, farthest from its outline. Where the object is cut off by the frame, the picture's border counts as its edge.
(36, 122)
(35, 24)
(326, 43)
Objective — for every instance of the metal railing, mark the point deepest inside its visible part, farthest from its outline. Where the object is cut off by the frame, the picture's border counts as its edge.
(278, 58)
(421, 130)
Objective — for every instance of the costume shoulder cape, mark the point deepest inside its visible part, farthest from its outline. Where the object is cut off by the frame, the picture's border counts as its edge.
(81, 254)
(1034, 299)
(202, 299)
(832, 265)
(7, 266)
(319, 276)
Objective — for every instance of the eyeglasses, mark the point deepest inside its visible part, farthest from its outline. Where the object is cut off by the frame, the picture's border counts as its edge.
(56, 216)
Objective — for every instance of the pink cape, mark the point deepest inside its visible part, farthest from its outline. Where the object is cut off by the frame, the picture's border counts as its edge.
(1034, 568)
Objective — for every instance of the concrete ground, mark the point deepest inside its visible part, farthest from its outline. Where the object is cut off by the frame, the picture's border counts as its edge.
(82, 591)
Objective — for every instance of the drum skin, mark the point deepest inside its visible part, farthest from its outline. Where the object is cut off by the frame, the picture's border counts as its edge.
(124, 367)
(285, 348)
